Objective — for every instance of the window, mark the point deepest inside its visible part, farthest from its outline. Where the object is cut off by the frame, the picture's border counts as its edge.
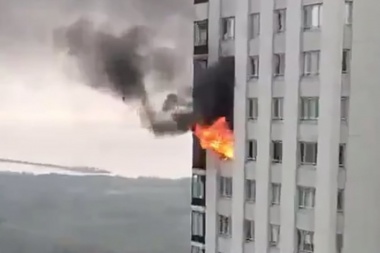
(344, 108)
(202, 63)
(197, 219)
(339, 243)
(224, 225)
(312, 16)
(254, 62)
(311, 63)
(225, 185)
(279, 64)
(305, 241)
(277, 108)
(340, 203)
(252, 150)
(254, 25)
(306, 197)
(308, 152)
(198, 187)
(277, 151)
(250, 190)
(249, 227)
(228, 28)
(200, 33)
(309, 108)
(346, 61)
(348, 17)
(196, 249)
(342, 152)
(279, 20)
(276, 194)
(274, 235)
(252, 108)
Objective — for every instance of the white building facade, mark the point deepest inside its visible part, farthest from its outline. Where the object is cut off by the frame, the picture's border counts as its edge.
(307, 140)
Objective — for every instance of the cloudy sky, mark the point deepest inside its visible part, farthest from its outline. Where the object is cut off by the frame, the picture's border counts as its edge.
(48, 114)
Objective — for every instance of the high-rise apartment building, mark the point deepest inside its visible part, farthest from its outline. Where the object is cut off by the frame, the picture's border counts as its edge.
(306, 176)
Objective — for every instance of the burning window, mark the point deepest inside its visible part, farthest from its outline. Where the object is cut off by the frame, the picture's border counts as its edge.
(309, 108)
(276, 194)
(249, 228)
(305, 241)
(312, 16)
(342, 151)
(252, 108)
(254, 62)
(280, 20)
(311, 63)
(250, 189)
(274, 235)
(254, 25)
(277, 108)
(200, 33)
(251, 150)
(224, 225)
(279, 64)
(344, 108)
(346, 61)
(197, 226)
(198, 187)
(308, 152)
(340, 202)
(225, 187)
(277, 151)
(228, 28)
(306, 197)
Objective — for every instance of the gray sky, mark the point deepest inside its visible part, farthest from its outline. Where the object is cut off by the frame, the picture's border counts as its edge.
(47, 114)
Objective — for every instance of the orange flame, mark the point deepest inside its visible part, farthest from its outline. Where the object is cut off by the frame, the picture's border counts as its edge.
(217, 137)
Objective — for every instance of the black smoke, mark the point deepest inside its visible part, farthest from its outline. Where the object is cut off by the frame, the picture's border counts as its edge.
(118, 64)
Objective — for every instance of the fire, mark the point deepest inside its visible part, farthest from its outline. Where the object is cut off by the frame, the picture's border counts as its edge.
(217, 137)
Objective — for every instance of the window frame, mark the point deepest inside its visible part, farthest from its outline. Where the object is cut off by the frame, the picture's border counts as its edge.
(279, 20)
(197, 187)
(307, 22)
(250, 190)
(309, 59)
(276, 229)
(346, 61)
(340, 201)
(254, 63)
(252, 109)
(302, 245)
(249, 230)
(276, 194)
(225, 187)
(228, 30)
(309, 108)
(279, 62)
(198, 38)
(303, 145)
(275, 144)
(303, 194)
(254, 31)
(252, 157)
(278, 106)
(224, 225)
(197, 223)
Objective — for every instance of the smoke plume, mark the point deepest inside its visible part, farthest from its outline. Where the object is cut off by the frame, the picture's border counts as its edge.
(120, 63)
